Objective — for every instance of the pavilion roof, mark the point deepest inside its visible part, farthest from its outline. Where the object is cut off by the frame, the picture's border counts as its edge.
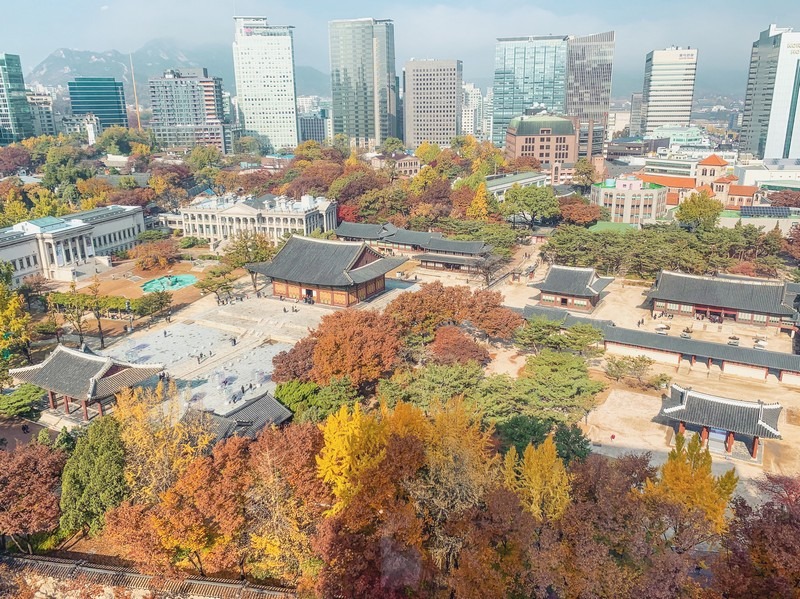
(82, 374)
(755, 419)
(574, 281)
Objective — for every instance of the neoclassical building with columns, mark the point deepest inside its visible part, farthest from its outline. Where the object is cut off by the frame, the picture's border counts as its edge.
(62, 249)
(218, 218)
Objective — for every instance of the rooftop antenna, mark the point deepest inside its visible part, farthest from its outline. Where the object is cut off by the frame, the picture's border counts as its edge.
(135, 96)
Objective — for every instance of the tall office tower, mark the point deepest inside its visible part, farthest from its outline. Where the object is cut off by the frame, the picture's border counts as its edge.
(635, 126)
(771, 119)
(432, 101)
(100, 96)
(364, 83)
(566, 75)
(263, 63)
(590, 59)
(668, 91)
(188, 110)
(15, 113)
(472, 111)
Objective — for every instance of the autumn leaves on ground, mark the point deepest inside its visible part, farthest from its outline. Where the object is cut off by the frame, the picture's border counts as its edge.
(408, 471)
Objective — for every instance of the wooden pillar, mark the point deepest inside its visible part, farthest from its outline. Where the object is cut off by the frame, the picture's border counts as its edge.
(100, 408)
(754, 448)
(681, 428)
(51, 396)
(729, 442)
(85, 410)
(694, 359)
(709, 364)
(66, 404)
(704, 435)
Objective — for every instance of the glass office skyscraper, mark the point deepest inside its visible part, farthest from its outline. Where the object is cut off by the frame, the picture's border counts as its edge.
(364, 81)
(16, 122)
(566, 75)
(528, 71)
(771, 120)
(100, 96)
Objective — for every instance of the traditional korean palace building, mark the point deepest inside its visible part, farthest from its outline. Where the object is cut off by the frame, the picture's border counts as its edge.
(746, 362)
(438, 252)
(721, 421)
(82, 376)
(333, 273)
(767, 302)
(572, 288)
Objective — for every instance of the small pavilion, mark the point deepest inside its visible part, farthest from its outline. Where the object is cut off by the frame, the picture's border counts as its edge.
(80, 375)
(721, 419)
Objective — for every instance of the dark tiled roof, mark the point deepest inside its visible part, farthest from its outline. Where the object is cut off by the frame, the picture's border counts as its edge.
(755, 419)
(573, 281)
(83, 374)
(447, 259)
(452, 246)
(416, 238)
(364, 230)
(324, 262)
(675, 344)
(736, 293)
(251, 417)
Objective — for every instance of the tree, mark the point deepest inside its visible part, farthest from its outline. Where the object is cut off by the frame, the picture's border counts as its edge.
(390, 146)
(699, 211)
(201, 518)
(427, 152)
(202, 157)
(15, 324)
(362, 345)
(72, 306)
(155, 303)
(585, 174)
(537, 334)
(14, 158)
(249, 248)
(779, 198)
(95, 303)
(581, 214)
(693, 501)
(155, 254)
(583, 339)
(218, 281)
(529, 205)
(539, 479)
(152, 235)
(22, 402)
(29, 487)
(33, 288)
(94, 480)
(160, 440)
(571, 443)
(521, 431)
(295, 364)
(479, 208)
(451, 345)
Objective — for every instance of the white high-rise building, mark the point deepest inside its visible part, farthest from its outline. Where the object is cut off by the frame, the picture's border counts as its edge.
(668, 91)
(771, 121)
(472, 111)
(432, 101)
(263, 62)
(488, 114)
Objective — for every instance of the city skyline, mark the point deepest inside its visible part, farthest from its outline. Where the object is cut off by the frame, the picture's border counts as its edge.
(421, 31)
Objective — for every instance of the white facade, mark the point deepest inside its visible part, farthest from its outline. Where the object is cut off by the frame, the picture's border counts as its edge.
(217, 218)
(472, 111)
(682, 136)
(630, 200)
(263, 61)
(669, 77)
(488, 112)
(63, 248)
(771, 120)
(44, 122)
(769, 170)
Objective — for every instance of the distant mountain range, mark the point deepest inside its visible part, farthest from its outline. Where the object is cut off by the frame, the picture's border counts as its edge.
(152, 60)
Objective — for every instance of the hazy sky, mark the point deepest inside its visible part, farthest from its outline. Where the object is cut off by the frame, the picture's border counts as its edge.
(463, 29)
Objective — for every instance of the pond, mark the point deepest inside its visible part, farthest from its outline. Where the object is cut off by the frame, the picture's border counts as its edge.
(169, 283)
